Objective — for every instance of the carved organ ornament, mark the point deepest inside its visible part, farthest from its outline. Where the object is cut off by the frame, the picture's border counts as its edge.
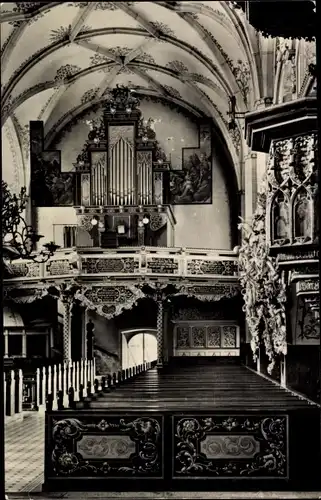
(122, 163)
(292, 192)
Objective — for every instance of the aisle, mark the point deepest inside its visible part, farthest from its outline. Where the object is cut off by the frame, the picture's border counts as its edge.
(24, 453)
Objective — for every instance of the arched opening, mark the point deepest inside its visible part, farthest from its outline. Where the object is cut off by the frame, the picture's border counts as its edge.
(141, 348)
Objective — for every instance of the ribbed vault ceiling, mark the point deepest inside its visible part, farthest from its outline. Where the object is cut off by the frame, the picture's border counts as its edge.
(59, 59)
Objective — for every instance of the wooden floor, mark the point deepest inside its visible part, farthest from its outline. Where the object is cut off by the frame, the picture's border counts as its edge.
(212, 384)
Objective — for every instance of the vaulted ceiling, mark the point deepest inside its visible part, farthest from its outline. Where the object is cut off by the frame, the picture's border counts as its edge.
(59, 58)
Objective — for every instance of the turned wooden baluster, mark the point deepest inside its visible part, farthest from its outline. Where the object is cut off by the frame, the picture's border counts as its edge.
(49, 402)
(73, 376)
(59, 385)
(18, 391)
(65, 382)
(4, 393)
(55, 385)
(85, 373)
(81, 392)
(49, 382)
(43, 385)
(71, 397)
(36, 391)
(60, 400)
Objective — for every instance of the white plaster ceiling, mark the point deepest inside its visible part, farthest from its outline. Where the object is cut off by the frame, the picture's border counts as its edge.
(187, 52)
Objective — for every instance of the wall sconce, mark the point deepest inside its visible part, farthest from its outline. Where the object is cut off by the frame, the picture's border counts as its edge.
(94, 221)
(145, 220)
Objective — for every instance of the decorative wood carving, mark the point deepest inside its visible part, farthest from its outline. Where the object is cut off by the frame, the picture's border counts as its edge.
(206, 338)
(293, 192)
(109, 301)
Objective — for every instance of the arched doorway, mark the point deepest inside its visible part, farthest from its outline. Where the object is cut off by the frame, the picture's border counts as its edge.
(138, 346)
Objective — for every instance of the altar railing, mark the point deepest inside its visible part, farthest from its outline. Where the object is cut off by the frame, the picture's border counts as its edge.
(130, 262)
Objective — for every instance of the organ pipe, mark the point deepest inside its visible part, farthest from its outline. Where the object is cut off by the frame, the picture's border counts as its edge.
(121, 181)
(99, 179)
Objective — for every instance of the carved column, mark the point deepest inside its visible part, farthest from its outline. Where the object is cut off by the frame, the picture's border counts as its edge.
(160, 333)
(67, 301)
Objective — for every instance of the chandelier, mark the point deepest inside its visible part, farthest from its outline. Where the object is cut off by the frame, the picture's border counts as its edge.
(18, 238)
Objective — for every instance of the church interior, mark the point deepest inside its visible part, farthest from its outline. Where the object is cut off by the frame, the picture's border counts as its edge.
(161, 308)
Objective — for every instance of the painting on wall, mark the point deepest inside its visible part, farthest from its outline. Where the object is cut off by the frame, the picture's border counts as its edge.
(49, 186)
(193, 184)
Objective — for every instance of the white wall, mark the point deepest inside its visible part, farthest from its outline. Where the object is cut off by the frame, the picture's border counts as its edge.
(205, 226)
(61, 216)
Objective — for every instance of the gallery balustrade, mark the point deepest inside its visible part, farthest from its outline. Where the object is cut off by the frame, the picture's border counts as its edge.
(133, 261)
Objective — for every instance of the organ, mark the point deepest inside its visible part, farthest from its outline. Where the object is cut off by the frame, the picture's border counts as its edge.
(122, 180)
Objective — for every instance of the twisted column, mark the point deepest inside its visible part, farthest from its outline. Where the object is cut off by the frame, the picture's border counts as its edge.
(67, 303)
(160, 333)
(67, 293)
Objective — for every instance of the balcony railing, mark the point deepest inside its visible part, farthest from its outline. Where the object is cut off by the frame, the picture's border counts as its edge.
(130, 262)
